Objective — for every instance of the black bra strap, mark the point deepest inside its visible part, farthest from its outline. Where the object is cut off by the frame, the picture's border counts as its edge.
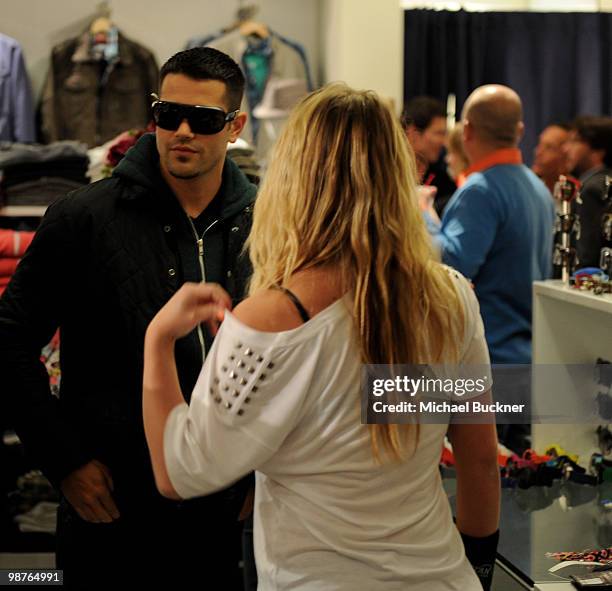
(296, 303)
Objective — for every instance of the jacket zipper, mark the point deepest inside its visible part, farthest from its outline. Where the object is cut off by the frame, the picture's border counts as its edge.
(200, 245)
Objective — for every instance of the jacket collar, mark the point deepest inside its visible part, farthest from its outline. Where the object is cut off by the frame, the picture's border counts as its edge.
(82, 51)
(502, 156)
(591, 173)
(140, 167)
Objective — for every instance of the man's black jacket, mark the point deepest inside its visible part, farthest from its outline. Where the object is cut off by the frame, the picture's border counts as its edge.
(103, 262)
(590, 209)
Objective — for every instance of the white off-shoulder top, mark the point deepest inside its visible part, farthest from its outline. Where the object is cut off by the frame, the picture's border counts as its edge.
(327, 516)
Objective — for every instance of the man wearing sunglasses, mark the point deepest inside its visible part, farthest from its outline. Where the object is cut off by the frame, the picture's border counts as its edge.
(105, 259)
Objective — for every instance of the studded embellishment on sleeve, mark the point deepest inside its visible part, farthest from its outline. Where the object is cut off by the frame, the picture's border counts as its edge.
(452, 271)
(237, 384)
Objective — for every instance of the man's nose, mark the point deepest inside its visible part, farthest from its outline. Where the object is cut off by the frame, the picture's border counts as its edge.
(184, 129)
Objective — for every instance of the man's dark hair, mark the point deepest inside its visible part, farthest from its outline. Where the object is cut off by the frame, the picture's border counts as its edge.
(597, 133)
(420, 111)
(206, 63)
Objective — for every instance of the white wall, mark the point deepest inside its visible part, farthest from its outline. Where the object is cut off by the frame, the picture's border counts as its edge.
(163, 26)
(358, 41)
(363, 45)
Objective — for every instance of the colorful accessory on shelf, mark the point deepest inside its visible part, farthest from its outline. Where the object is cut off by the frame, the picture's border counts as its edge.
(591, 279)
(502, 459)
(532, 469)
(567, 226)
(447, 458)
(604, 555)
(529, 459)
(604, 437)
(531, 456)
(557, 451)
(567, 188)
(601, 467)
(575, 473)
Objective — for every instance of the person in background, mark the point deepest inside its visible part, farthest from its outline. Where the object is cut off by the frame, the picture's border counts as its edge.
(424, 121)
(550, 161)
(456, 165)
(105, 259)
(344, 274)
(497, 230)
(589, 157)
(456, 159)
(550, 157)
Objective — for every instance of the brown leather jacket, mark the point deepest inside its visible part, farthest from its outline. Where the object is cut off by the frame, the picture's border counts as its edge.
(84, 100)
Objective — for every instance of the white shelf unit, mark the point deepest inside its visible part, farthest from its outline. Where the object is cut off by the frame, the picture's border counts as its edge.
(573, 327)
(569, 326)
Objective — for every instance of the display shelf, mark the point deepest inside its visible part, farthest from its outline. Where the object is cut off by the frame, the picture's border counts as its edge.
(569, 327)
(556, 289)
(25, 211)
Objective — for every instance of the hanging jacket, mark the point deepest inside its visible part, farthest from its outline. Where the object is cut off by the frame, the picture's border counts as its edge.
(16, 111)
(103, 262)
(285, 62)
(203, 41)
(89, 99)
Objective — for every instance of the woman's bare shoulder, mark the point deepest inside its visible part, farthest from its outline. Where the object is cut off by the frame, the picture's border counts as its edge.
(268, 310)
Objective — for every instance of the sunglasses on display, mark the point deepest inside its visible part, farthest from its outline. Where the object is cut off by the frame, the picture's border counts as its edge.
(202, 119)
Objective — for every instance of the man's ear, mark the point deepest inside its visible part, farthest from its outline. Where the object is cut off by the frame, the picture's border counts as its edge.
(520, 131)
(468, 131)
(412, 133)
(599, 156)
(237, 125)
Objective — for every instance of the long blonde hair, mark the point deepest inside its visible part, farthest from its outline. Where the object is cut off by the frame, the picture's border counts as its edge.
(340, 190)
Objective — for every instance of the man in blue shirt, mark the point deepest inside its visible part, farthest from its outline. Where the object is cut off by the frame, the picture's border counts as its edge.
(497, 229)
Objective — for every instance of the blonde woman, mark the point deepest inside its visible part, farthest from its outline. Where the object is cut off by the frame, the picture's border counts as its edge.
(456, 158)
(343, 275)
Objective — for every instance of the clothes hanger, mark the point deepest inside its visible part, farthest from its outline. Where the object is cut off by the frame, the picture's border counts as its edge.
(245, 23)
(102, 24)
(260, 30)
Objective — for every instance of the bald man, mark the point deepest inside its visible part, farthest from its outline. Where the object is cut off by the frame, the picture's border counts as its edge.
(497, 228)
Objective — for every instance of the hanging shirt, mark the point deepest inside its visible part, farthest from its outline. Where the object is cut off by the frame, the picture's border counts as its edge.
(16, 111)
(93, 97)
(256, 61)
(285, 62)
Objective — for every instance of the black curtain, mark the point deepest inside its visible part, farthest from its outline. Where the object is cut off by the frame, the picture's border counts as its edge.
(559, 63)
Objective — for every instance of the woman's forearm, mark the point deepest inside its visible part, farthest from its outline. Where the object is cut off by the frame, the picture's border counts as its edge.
(161, 394)
(478, 498)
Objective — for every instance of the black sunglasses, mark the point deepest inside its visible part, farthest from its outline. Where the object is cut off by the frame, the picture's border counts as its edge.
(202, 120)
